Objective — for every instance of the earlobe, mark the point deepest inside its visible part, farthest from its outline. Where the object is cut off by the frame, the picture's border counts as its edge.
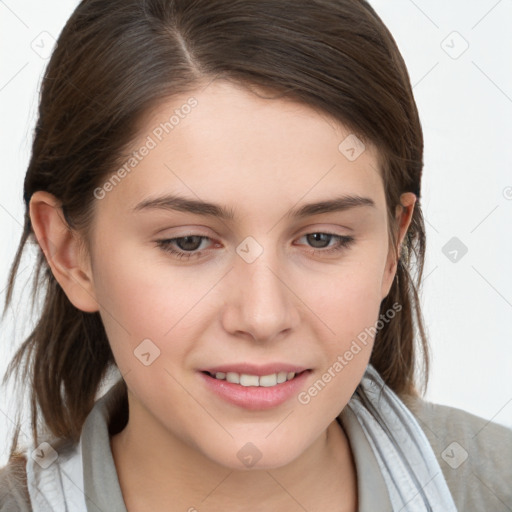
(61, 247)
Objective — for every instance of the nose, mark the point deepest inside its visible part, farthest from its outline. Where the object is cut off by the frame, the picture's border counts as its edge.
(261, 304)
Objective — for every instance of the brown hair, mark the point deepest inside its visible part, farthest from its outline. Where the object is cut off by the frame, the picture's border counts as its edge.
(117, 59)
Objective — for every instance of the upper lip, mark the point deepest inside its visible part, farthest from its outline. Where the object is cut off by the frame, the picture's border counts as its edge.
(252, 369)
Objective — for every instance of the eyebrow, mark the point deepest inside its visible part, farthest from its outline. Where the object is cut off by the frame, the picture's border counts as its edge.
(197, 207)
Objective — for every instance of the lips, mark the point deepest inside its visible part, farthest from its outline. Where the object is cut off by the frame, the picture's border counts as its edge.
(255, 387)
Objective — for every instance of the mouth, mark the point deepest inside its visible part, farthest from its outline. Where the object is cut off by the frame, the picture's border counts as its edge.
(255, 388)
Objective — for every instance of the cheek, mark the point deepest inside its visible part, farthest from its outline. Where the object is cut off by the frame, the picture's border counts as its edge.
(349, 307)
(138, 301)
(350, 299)
(153, 300)
(348, 304)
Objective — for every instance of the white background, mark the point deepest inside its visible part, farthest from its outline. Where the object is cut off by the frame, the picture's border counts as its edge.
(465, 104)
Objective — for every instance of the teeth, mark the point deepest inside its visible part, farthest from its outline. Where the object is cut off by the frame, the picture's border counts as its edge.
(249, 380)
(232, 377)
(245, 379)
(268, 380)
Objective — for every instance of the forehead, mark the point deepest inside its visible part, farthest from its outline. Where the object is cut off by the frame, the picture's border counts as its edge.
(225, 143)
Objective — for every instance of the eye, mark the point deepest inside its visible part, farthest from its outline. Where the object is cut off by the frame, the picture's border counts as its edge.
(342, 242)
(188, 246)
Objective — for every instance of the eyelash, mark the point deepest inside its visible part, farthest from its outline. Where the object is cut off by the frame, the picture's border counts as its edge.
(343, 243)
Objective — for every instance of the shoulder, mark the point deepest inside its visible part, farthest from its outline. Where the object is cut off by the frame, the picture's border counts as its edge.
(14, 495)
(475, 454)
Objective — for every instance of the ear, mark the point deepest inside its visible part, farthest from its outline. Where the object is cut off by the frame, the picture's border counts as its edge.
(404, 213)
(63, 251)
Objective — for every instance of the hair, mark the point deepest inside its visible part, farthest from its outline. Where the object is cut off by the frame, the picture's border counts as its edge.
(115, 61)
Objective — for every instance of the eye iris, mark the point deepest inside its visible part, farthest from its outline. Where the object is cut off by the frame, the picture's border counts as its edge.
(314, 237)
(196, 242)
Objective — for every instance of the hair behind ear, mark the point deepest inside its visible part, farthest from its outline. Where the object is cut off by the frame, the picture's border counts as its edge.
(66, 356)
(394, 354)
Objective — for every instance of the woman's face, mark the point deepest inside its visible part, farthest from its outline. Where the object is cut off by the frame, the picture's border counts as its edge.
(264, 284)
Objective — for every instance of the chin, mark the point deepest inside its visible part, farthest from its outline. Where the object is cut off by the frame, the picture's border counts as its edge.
(251, 456)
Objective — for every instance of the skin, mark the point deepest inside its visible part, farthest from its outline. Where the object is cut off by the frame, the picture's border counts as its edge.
(262, 158)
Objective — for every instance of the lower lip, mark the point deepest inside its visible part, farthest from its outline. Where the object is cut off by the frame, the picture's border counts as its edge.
(255, 397)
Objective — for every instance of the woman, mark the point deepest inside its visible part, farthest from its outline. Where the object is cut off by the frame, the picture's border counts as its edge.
(226, 196)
